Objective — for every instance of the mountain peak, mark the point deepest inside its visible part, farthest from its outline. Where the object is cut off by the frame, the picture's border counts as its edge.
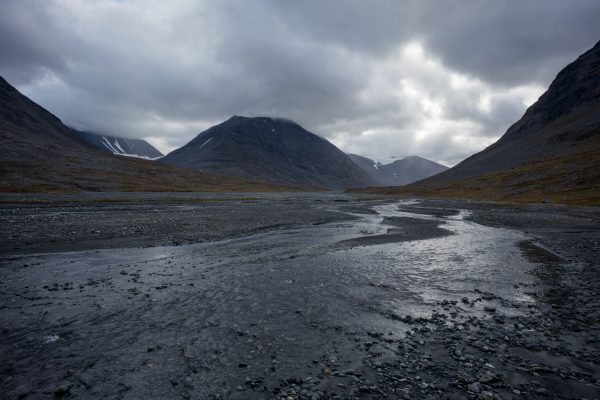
(262, 119)
(399, 172)
(409, 158)
(272, 149)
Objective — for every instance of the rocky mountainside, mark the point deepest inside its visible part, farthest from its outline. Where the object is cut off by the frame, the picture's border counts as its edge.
(38, 153)
(270, 149)
(366, 164)
(400, 172)
(565, 116)
(551, 153)
(29, 132)
(120, 145)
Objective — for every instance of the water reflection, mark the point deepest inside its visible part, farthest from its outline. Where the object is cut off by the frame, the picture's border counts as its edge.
(476, 259)
(289, 292)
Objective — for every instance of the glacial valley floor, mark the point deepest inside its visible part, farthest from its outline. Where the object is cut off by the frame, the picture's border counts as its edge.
(296, 296)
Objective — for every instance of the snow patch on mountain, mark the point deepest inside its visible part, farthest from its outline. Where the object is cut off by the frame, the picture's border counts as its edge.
(121, 146)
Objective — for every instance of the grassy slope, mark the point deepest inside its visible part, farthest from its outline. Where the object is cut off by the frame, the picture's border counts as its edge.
(38, 153)
(529, 183)
(133, 176)
(43, 166)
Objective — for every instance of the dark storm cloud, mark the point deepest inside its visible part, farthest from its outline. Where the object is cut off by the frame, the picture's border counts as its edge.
(441, 79)
(502, 41)
(511, 42)
(24, 47)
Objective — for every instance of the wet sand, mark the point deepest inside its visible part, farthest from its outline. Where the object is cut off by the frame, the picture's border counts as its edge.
(299, 296)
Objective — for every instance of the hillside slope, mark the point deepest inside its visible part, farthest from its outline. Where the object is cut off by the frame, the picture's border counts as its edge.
(121, 145)
(38, 153)
(551, 153)
(270, 149)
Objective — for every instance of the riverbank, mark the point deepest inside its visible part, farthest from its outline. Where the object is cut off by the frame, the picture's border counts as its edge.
(323, 296)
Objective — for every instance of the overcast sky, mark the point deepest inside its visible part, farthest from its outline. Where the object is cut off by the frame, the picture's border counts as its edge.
(381, 78)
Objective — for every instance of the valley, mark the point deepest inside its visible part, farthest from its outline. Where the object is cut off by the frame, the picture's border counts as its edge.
(299, 200)
(306, 296)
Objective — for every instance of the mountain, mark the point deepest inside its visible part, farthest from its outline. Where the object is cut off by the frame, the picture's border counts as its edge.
(400, 172)
(410, 169)
(371, 167)
(38, 153)
(270, 149)
(551, 154)
(121, 146)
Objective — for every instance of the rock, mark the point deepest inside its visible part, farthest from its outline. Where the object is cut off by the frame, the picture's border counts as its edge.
(487, 395)
(23, 390)
(63, 390)
(488, 377)
(474, 387)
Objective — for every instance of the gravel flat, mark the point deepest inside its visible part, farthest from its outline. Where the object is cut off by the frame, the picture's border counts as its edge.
(297, 296)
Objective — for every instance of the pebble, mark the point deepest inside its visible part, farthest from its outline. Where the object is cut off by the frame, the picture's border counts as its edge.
(542, 391)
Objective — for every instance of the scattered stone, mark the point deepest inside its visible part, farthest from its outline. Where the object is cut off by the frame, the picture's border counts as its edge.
(487, 395)
(542, 391)
(63, 390)
(474, 387)
(488, 377)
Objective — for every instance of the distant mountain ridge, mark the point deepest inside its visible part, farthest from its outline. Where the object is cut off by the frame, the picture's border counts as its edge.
(38, 153)
(120, 145)
(399, 172)
(271, 149)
